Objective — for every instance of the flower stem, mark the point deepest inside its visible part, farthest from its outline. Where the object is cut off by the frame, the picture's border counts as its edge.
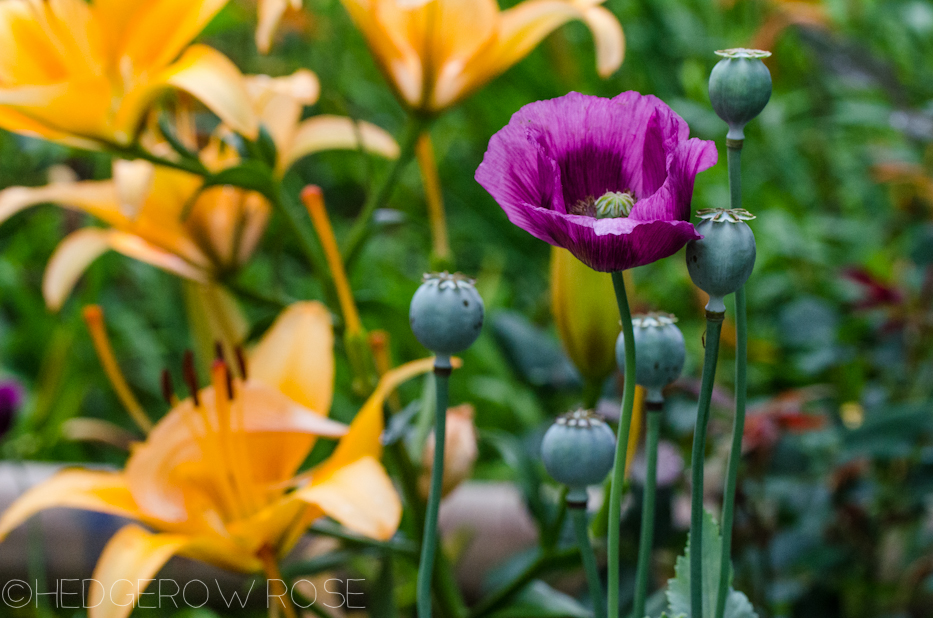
(279, 588)
(429, 544)
(713, 329)
(577, 512)
(361, 227)
(647, 509)
(625, 421)
(738, 423)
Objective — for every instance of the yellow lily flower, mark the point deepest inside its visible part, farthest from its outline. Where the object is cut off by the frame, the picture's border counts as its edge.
(85, 73)
(437, 52)
(216, 478)
(167, 218)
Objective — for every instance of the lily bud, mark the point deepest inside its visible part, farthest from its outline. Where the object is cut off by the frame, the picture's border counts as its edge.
(578, 451)
(722, 261)
(739, 88)
(460, 451)
(659, 352)
(586, 314)
(446, 313)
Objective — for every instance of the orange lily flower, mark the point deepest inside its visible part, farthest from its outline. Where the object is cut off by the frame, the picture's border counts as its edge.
(167, 218)
(437, 52)
(216, 478)
(278, 103)
(85, 73)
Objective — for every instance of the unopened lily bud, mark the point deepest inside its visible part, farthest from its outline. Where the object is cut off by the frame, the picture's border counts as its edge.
(585, 313)
(739, 88)
(578, 451)
(446, 313)
(460, 451)
(722, 261)
(12, 395)
(659, 352)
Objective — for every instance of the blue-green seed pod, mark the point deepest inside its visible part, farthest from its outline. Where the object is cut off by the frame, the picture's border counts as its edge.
(739, 88)
(659, 352)
(578, 449)
(722, 261)
(446, 313)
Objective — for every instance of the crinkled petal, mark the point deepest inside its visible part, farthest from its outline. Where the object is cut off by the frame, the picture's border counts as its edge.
(610, 245)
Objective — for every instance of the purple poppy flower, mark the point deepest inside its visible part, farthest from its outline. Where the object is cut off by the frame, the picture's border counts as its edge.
(12, 395)
(608, 179)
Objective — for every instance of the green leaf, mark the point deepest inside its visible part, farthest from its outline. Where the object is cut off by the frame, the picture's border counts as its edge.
(539, 600)
(678, 589)
(251, 175)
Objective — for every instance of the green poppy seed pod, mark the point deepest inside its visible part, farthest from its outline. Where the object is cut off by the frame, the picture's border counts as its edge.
(659, 352)
(446, 313)
(722, 261)
(739, 88)
(578, 449)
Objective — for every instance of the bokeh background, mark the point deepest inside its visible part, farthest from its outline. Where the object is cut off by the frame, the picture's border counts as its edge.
(835, 507)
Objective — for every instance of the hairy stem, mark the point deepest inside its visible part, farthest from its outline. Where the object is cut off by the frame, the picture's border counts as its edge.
(625, 422)
(647, 508)
(429, 544)
(581, 529)
(713, 329)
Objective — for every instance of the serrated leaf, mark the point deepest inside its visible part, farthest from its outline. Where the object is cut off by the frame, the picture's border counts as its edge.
(678, 589)
(539, 600)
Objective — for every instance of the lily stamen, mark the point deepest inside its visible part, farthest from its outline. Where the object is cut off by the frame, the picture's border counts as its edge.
(94, 318)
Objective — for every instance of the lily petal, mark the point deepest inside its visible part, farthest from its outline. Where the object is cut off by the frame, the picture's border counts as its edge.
(363, 439)
(326, 132)
(79, 249)
(360, 496)
(296, 356)
(71, 258)
(133, 181)
(213, 79)
(103, 492)
(132, 556)
(270, 14)
(98, 198)
(178, 462)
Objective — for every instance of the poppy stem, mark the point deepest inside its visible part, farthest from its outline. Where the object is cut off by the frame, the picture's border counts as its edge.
(580, 526)
(713, 329)
(625, 422)
(376, 199)
(738, 424)
(647, 507)
(429, 544)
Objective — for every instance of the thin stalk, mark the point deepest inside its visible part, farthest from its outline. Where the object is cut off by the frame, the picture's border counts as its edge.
(581, 529)
(289, 208)
(647, 508)
(407, 548)
(429, 544)
(382, 193)
(625, 422)
(738, 423)
(713, 330)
